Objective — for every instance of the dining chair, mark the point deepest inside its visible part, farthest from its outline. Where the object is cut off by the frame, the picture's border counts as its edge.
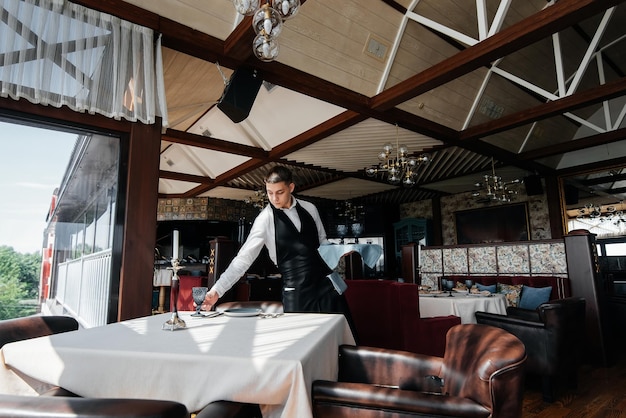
(33, 326)
(229, 409)
(480, 375)
(12, 406)
(553, 333)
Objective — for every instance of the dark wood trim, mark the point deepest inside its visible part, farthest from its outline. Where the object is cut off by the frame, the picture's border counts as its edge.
(525, 32)
(556, 204)
(140, 222)
(554, 108)
(215, 144)
(579, 144)
(172, 175)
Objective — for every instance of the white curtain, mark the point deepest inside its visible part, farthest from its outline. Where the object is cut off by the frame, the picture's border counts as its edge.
(56, 53)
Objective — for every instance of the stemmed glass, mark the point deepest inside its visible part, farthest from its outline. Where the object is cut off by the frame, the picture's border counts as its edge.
(342, 231)
(357, 230)
(199, 293)
(448, 285)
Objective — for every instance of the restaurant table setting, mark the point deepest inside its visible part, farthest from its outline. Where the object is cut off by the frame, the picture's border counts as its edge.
(332, 253)
(240, 355)
(460, 302)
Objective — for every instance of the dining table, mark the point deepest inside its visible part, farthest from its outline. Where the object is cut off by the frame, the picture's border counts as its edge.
(463, 305)
(270, 361)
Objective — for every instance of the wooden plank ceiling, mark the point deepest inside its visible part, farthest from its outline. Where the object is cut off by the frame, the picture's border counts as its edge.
(536, 86)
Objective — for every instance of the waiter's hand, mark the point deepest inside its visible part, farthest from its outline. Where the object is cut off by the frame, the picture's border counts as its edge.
(210, 299)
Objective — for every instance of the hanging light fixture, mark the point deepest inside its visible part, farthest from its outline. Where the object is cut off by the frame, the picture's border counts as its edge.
(494, 189)
(396, 162)
(267, 21)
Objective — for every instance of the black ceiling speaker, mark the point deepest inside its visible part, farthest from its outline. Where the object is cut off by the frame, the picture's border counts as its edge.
(240, 93)
(533, 185)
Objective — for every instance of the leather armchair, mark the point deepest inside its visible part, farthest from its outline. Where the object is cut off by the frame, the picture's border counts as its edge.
(228, 409)
(480, 375)
(33, 326)
(553, 335)
(62, 407)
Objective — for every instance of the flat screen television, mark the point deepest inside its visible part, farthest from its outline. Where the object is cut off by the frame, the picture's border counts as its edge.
(493, 224)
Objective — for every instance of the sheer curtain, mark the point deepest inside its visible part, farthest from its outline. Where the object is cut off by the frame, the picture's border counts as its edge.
(56, 53)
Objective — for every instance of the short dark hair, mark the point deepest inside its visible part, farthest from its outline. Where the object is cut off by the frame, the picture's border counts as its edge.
(277, 174)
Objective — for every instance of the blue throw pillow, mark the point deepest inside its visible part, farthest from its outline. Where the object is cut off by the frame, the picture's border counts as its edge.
(534, 296)
(491, 288)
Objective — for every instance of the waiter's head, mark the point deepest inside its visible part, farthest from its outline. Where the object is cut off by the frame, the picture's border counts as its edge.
(279, 186)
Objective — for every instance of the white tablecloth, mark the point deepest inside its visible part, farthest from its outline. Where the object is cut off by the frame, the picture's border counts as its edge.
(461, 305)
(272, 362)
(332, 253)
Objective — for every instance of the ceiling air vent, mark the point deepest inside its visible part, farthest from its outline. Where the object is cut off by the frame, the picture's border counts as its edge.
(376, 48)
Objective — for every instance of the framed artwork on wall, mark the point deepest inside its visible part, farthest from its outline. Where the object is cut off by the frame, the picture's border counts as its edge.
(492, 224)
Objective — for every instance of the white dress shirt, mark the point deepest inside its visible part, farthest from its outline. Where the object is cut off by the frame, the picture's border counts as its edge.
(263, 233)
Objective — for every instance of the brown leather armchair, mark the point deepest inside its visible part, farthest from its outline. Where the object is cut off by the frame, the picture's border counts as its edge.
(553, 335)
(12, 406)
(33, 326)
(480, 375)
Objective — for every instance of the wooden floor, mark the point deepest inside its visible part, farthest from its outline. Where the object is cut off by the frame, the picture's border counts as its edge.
(601, 393)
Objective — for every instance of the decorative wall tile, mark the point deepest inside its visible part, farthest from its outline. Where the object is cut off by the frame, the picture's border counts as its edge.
(482, 260)
(455, 260)
(431, 260)
(204, 208)
(513, 259)
(548, 258)
(430, 279)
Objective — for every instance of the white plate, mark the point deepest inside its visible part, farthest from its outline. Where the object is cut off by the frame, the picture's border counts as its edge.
(242, 312)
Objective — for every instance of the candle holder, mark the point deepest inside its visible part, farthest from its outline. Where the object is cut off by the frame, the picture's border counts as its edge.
(175, 322)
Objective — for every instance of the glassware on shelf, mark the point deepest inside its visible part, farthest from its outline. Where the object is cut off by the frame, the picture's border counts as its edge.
(357, 231)
(342, 231)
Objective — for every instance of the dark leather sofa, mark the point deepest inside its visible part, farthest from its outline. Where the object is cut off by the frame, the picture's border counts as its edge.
(481, 375)
(553, 335)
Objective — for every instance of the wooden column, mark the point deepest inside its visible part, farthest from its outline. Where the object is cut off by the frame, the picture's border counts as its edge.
(135, 291)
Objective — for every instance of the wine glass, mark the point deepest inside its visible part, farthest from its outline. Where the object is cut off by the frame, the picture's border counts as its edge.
(199, 293)
(342, 231)
(448, 285)
(357, 230)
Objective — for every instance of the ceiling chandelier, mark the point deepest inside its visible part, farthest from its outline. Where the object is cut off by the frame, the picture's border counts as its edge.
(267, 21)
(399, 166)
(494, 189)
(259, 200)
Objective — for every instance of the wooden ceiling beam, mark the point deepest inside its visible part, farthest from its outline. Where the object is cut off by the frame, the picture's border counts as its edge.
(552, 19)
(186, 138)
(574, 145)
(576, 101)
(190, 178)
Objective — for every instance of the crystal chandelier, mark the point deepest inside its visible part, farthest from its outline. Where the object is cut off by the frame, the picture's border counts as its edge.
(258, 200)
(267, 21)
(494, 189)
(399, 166)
